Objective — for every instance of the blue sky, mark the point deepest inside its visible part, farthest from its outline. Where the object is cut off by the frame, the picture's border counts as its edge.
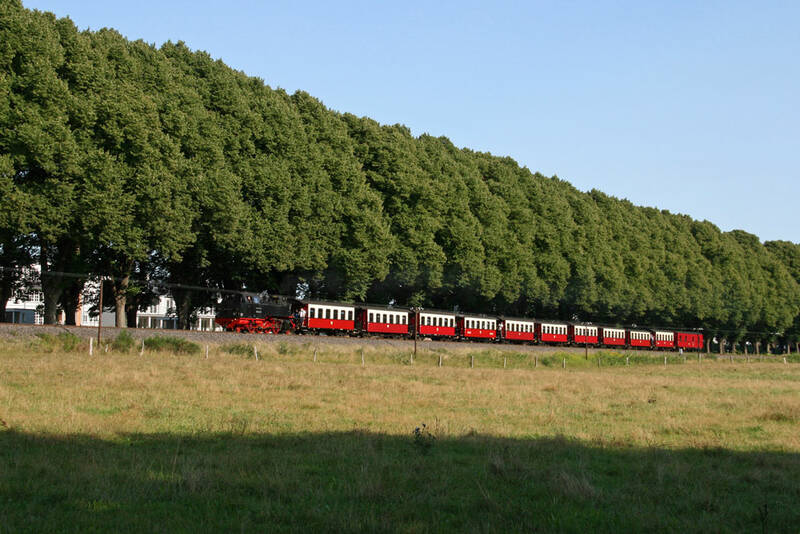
(693, 107)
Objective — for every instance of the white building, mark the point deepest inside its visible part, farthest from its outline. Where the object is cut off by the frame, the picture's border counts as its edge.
(27, 307)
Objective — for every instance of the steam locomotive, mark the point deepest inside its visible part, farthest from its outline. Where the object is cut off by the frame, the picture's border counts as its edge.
(270, 314)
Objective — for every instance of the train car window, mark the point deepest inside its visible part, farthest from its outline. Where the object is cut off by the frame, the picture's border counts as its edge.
(349, 315)
(311, 312)
(335, 314)
(372, 317)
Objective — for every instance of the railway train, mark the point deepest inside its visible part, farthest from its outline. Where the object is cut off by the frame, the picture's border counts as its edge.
(265, 313)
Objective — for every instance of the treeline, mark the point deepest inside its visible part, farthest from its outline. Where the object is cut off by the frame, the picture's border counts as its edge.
(135, 162)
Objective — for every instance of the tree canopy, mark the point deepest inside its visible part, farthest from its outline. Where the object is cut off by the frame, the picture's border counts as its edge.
(123, 159)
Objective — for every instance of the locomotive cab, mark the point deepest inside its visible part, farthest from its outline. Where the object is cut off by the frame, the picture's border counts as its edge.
(255, 312)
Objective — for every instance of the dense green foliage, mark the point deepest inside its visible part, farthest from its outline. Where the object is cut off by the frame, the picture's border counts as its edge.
(123, 159)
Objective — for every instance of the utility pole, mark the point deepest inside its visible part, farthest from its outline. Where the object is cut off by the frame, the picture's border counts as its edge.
(415, 309)
(100, 315)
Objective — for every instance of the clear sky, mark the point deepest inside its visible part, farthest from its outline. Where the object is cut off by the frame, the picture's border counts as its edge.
(693, 107)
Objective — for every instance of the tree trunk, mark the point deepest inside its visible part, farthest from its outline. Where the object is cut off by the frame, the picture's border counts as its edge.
(131, 310)
(6, 292)
(51, 285)
(183, 307)
(758, 348)
(708, 345)
(71, 300)
(120, 299)
(722, 346)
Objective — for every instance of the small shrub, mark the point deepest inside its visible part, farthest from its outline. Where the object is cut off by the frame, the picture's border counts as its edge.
(47, 342)
(171, 344)
(65, 341)
(423, 439)
(124, 342)
(241, 349)
(69, 341)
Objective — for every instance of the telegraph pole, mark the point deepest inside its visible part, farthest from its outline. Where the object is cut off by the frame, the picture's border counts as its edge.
(100, 315)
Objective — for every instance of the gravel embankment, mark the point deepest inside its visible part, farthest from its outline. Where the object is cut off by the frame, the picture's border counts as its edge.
(26, 330)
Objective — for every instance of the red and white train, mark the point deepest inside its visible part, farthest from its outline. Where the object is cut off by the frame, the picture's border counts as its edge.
(269, 314)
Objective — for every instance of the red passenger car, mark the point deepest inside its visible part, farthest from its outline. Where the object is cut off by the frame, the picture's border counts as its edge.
(689, 341)
(519, 330)
(551, 332)
(665, 340)
(329, 316)
(583, 335)
(640, 338)
(376, 320)
(438, 324)
(613, 337)
(476, 327)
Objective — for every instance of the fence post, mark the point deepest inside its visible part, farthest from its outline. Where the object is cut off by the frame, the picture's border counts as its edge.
(362, 356)
(564, 363)
(471, 361)
(535, 362)
(91, 346)
(206, 350)
(504, 362)
(440, 360)
(315, 354)
(665, 361)
(255, 352)
(627, 360)
(141, 350)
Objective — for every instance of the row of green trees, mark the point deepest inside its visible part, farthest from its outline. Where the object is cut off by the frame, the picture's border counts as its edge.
(121, 159)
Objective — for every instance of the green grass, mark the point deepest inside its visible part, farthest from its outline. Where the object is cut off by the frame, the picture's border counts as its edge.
(175, 345)
(177, 442)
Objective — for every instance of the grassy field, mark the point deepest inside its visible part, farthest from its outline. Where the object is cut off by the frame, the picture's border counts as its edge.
(165, 442)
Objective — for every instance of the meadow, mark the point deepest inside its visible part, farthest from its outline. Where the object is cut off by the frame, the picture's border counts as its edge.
(306, 437)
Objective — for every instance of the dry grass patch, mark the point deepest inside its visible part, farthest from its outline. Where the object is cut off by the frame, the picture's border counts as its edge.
(178, 442)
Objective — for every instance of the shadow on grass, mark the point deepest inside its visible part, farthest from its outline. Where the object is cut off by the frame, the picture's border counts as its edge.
(359, 481)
